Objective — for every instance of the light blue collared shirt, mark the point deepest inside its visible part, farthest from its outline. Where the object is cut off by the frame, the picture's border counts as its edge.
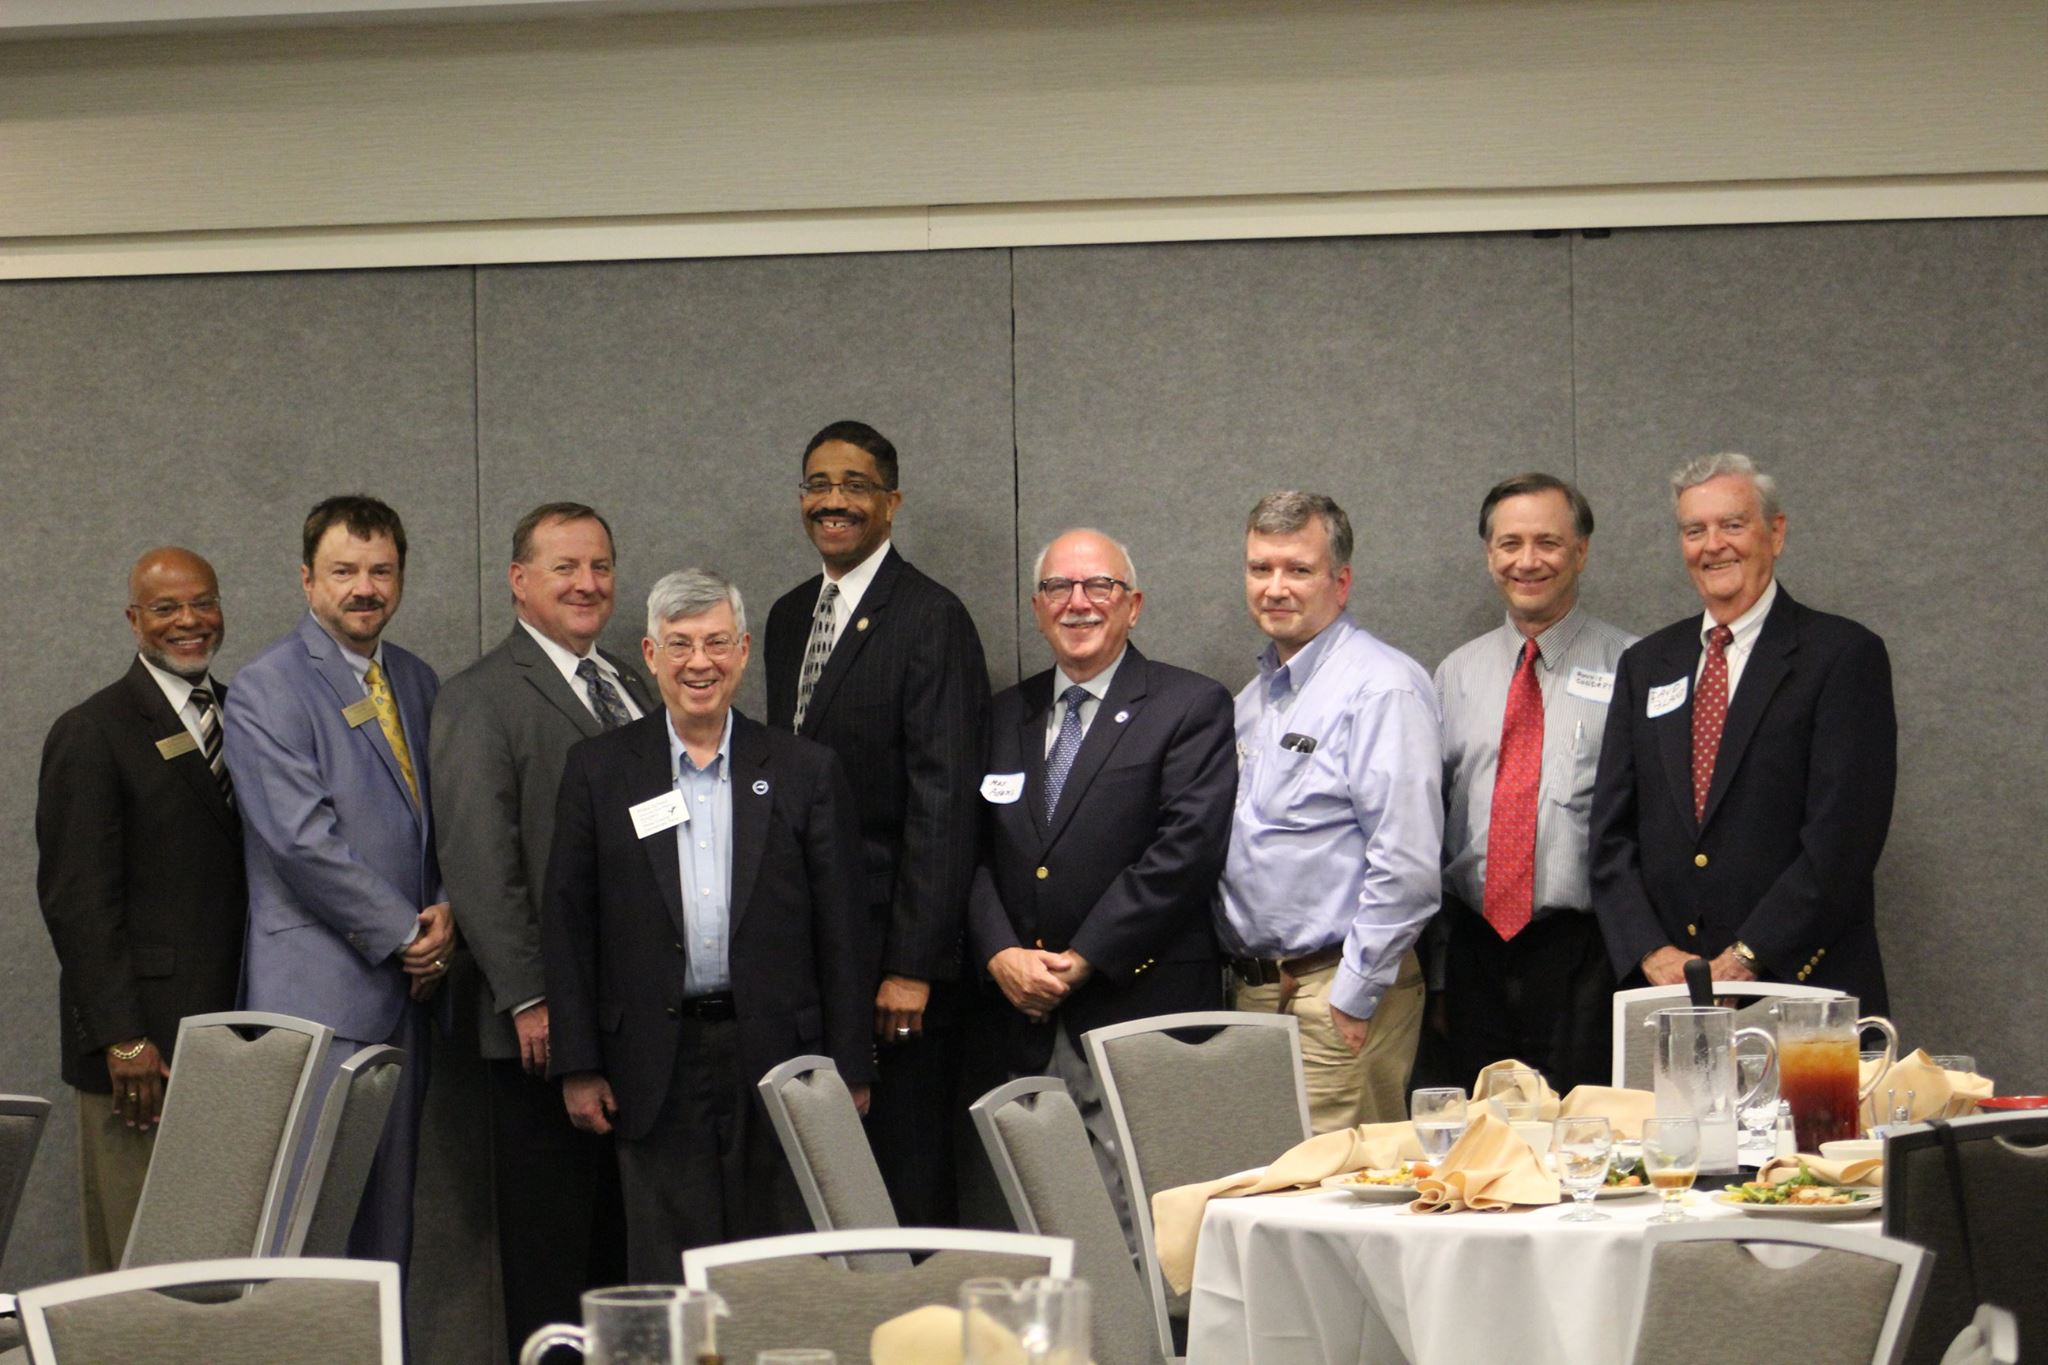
(704, 858)
(1341, 844)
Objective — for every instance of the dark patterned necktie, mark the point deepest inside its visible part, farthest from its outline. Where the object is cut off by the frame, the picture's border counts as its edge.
(824, 631)
(1511, 832)
(604, 698)
(1709, 714)
(1065, 745)
(210, 742)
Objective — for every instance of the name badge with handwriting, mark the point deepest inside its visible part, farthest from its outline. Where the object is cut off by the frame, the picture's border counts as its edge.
(1591, 685)
(360, 713)
(1667, 698)
(658, 813)
(1002, 788)
(171, 746)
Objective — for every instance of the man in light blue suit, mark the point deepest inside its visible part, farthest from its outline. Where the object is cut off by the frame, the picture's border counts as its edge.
(326, 738)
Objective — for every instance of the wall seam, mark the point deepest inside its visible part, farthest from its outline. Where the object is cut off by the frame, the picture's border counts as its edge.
(476, 439)
(1016, 488)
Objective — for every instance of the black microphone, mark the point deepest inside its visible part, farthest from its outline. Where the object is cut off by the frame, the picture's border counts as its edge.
(1699, 982)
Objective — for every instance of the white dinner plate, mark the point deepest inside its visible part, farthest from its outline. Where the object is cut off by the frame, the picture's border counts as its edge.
(1620, 1191)
(1371, 1194)
(1809, 1213)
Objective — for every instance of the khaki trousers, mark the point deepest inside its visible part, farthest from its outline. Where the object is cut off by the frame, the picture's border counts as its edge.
(1347, 1089)
(112, 1161)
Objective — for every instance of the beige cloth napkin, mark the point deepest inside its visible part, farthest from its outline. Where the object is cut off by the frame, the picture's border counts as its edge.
(1865, 1172)
(1937, 1094)
(931, 1336)
(1177, 1213)
(1545, 1097)
(1488, 1168)
(1624, 1110)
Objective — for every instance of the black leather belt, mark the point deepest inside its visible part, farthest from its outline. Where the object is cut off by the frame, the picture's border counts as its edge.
(1259, 971)
(707, 1006)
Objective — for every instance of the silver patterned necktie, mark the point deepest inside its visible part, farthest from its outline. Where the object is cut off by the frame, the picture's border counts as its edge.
(604, 698)
(824, 633)
(210, 742)
(1065, 745)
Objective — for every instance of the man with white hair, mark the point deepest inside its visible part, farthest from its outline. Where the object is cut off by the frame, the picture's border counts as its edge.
(700, 925)
(1746, 778)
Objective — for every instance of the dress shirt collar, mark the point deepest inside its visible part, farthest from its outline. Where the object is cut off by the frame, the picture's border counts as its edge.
(1553, 643)
(1746, 626)
(1293, 675)
(679, 757)
(1096, 687)
(853, 584)
(177, 691)
(565, 661)
(358, 664)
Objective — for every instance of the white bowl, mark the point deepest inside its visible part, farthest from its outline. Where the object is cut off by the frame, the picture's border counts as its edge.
(1856, 1149)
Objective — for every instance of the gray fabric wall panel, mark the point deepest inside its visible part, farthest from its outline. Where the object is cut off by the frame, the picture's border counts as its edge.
(1161, 390)
(209, 412)
(676, 397)
(1895, 376)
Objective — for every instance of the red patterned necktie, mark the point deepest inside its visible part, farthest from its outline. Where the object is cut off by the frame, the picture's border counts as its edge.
(1709, 713)
(1511, 833)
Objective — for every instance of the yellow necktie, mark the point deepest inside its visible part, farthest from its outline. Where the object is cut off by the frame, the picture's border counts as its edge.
(394, 731)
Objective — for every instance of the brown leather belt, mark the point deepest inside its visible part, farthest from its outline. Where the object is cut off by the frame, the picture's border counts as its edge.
(1259, 971)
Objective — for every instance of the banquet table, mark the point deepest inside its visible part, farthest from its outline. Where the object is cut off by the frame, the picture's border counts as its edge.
(1324, 1279)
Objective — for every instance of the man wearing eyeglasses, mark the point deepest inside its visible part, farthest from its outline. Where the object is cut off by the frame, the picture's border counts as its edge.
(1336, 841)
(139, 875)
(882, 665)
(700, 925)
(1105, 813)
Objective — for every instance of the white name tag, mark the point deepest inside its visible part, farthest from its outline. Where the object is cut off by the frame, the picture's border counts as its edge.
(658, 813)
(1669, 697)
(1002, 788)
(1592, 686)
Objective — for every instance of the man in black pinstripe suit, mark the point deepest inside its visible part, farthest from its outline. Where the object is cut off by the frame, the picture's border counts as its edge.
(884, 666)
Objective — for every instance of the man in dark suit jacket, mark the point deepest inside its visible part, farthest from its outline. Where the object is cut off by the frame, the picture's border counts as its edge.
(139, 874)
(1106, 815)
(1746, 777)
(501, 734)
(700, 926)
(882, 665)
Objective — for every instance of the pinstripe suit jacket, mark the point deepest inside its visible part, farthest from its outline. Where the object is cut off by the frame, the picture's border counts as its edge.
(904, 703)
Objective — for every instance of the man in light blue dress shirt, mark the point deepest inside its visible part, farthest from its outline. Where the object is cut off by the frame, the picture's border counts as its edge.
(1333, 867)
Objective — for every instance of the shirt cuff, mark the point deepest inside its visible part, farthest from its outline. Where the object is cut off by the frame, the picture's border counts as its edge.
(525, 1005)
(1355, 994)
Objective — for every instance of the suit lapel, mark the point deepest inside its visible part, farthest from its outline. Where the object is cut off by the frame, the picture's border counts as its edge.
(161, 722)
(348, 689)
(1037, 700)
(1126, 691)
(753, 801)
(1674, 728)
(860, 627)
(1770, 662)
(651, 772)
(541, 674)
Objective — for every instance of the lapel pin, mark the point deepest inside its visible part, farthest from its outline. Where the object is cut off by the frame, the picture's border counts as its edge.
(760, 786)
(861, 624)
(1122, 716)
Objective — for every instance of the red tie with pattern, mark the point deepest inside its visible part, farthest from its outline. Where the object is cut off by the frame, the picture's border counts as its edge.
(1709, 712)
(1511, 834)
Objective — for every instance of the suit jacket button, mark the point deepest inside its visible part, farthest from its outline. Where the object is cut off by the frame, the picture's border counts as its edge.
(1699, 860)
(1819, 953)
(674, 1013)
(679, 947)
(1043, 874)
(1692, 931)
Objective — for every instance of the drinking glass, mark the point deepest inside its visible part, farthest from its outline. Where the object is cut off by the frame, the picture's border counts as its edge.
(1516, 1095)
(796, 1356)
(1583, 1147)
(655, 1324)
(1439, 1118)
(1043, 1321)
(1671, 1160)
(1959, 1061)
(1760, 1115)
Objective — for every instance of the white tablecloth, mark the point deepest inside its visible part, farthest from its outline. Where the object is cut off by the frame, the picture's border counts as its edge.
(1322, 1279)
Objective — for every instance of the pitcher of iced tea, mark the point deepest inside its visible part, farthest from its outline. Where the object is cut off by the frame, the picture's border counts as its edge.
(1693, 1073)
(1817, 1065)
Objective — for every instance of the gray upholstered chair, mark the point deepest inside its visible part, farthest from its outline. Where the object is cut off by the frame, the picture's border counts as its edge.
(21, 1132)
(344, 1144)
(1992, 1337)
(1191, 1108)
(1632, 1009)
(1850, 1302)
(828, 1151)
(2002, 1163)
(231, 1122)
(295, 1312)
(793, 1291)
(1039, 1148)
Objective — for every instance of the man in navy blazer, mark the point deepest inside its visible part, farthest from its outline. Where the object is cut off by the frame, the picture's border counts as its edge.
(701, 923)
(1105, 818)
(1746, 778)
(327, 743)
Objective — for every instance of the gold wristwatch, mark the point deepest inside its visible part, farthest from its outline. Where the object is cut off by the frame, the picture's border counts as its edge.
(1745, 952)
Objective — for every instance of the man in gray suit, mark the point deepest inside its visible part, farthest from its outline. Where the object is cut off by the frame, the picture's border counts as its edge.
(502, 728)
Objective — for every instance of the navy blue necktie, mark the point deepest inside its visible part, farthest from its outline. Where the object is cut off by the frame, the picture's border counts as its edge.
(1065, 745)
(611, 711)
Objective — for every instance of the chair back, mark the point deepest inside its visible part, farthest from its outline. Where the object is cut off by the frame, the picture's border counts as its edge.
(2002, 1160)
(344, 1144)
(21, 1131)
(1992, 1337)
(1039, 1148)
(1632, 1052)
(295, 1312)
(1850, 1301)
(793, 1291)
(828, 1152)
(1191, 1108)
(231, 1122)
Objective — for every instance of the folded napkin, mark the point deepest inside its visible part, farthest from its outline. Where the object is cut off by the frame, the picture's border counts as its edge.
(1866, 1172)
(1937, 1094)
(1544, 1096)
(1488, 1168)
(1177, 1213)
(1624, 1110)
(932, 1336)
